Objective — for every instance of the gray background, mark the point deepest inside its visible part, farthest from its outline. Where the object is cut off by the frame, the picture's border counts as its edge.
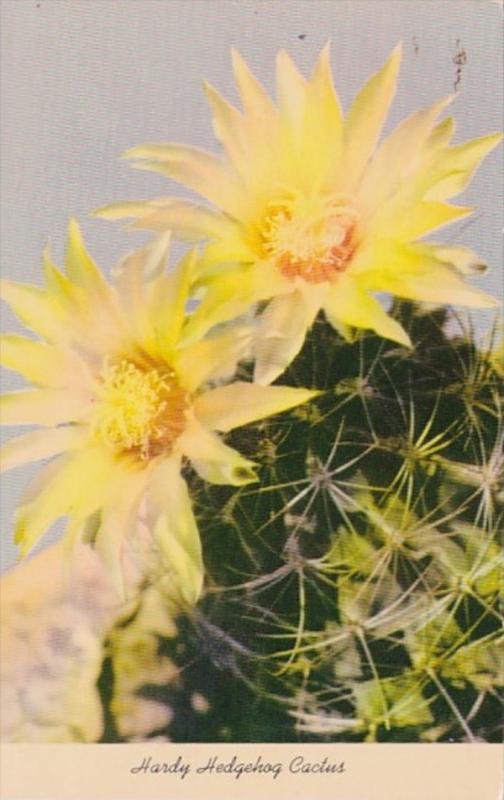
(82, 80)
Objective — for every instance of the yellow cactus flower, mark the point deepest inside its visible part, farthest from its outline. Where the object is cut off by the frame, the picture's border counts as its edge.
(310, 213)
(123, 404)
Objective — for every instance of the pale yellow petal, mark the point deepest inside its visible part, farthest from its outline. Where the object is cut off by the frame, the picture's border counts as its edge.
(92, 321)
(228, 128)
(228, 407)
(81, 268)
(42, 364)
(418, 220)
(167, 306)
(200, 171)
(441, 135)
(291, 91)
(68, 296)
(153, 258)
(398, 156)
(186, 220)
(38, 445)
(256, 102)
(235, 246)
(416, 274)
(455, 166)
(438, 285)
(350, 304)
(365, 120)
(213, 358)
(43, 407)
(172, 520)
(128, 208)
(439, 173)
(232, 294)
(36, 309)
(323, 125)
(282, 331)
(87, 302)
(76, 484)
(311, 125)
(261, 129)
(213, 460)
(117, 521)
(134, 275)
(462, 258)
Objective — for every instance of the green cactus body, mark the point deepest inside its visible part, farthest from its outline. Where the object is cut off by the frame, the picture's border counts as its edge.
(352, 594)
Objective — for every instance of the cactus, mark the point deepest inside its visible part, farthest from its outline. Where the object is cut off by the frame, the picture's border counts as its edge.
(353, 593)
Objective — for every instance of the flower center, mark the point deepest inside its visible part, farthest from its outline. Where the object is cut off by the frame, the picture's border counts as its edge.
(141, 409)
(308, 244)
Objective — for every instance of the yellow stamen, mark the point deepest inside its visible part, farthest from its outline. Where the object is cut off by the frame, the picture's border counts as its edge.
(141, 408)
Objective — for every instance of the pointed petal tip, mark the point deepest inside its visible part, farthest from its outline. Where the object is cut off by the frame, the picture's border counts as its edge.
(237, 61)
(209, 90)
(397, 52)
(325, 53)
(133, 152)
(74, 234)
(281, 56)
(129, 153)
(491, 302)
(148, 166)
(98, 212)
(405, 340)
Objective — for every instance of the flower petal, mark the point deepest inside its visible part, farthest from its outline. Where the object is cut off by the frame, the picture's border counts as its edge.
(228, 128)
(455, 166)
(282, 331)
(236, 246)
(239, 403)
(397, 157)
(438, 285)
(232, 294)
(138, 272)
(441, 135)
(58, 490)
(41, 363)
(167, 306)
(172, 520)
(43, 407)
(323, 123)
(462, 258)
(213, 460)
(291, 91)
(200, 171)
(256, 102)
(127, 208)
(37, 445)
(350, 304)
(416, 274)
(81, 268)
(37, 309)
(365, 120)
(418, 220)
(186, 220)
(212, 359)
(118, 517)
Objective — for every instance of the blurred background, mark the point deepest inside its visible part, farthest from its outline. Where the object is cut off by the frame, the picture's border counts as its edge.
(83, 80)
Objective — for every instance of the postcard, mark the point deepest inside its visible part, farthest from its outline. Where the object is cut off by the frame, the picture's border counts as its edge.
(253, 400)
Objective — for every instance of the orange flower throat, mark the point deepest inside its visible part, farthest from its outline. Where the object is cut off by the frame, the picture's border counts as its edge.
(314, 247)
